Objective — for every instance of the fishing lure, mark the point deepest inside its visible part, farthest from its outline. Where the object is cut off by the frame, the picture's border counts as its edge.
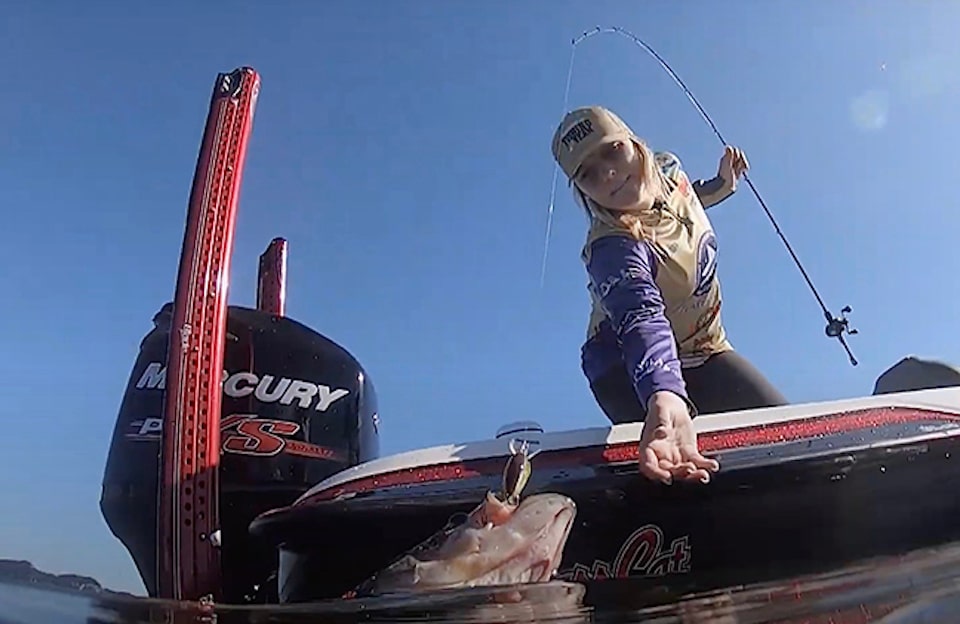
(516, 473)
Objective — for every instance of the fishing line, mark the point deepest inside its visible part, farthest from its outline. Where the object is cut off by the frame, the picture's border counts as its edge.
(836, 326)
(553, 187)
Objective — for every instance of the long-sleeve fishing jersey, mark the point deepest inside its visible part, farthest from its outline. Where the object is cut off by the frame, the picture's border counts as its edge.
(656, 303)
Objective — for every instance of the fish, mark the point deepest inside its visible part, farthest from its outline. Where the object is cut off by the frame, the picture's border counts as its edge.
(500, 542)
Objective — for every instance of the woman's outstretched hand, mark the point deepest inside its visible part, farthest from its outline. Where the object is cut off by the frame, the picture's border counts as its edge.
(668, 444)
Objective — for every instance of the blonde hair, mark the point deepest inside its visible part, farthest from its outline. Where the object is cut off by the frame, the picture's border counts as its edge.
(658, 188)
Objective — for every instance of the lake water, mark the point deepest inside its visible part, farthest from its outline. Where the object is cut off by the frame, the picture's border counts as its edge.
(921, 587)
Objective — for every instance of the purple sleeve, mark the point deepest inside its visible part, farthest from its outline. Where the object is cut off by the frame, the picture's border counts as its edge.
(709, 191)
(622, 270)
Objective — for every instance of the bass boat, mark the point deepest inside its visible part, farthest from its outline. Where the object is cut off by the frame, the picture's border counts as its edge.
(245, 463)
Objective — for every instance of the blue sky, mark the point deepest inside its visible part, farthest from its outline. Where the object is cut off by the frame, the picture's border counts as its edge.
(403, 150)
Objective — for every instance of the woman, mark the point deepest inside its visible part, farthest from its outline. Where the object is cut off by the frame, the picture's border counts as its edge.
(656, 348)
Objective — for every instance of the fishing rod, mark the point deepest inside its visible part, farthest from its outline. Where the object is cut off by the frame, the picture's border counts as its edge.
(837, 326)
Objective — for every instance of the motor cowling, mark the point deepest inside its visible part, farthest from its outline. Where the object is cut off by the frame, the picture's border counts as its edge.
(913, 373)
(296, 408)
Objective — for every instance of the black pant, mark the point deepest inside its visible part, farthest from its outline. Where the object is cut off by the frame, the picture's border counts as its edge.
(725, 382)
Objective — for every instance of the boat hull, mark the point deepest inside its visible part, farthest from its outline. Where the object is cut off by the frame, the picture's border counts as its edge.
(793, 497)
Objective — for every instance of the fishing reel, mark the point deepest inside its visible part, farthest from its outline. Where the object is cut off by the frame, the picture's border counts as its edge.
(838, 326)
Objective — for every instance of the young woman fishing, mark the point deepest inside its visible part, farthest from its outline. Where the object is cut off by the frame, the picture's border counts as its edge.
(656, 348)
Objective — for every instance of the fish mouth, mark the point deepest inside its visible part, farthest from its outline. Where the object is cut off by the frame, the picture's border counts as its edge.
(557, 531)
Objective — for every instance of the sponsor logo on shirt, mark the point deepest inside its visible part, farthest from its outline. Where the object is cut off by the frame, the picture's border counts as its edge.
(706, 263)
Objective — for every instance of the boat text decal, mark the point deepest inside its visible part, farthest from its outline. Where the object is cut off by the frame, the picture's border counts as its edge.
(643, 553)
(265, 388)
(246, 434)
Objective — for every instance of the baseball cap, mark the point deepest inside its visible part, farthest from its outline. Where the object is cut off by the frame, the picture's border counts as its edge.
(582, 131)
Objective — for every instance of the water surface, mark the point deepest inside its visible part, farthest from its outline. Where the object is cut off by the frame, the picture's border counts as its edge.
(923, 586)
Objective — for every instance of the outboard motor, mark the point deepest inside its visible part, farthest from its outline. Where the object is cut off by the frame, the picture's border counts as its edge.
(912, 373)
(297, 407)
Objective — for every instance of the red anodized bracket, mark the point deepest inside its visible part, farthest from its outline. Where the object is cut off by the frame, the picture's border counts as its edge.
(272, 278)
(187, 556)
